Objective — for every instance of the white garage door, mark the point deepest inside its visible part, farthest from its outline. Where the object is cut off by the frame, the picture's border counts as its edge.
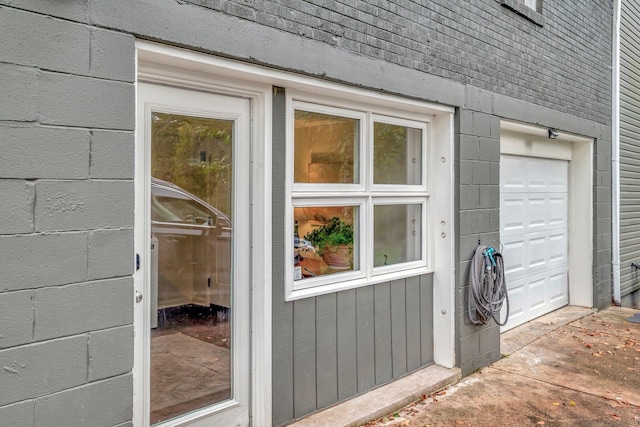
(534, 232)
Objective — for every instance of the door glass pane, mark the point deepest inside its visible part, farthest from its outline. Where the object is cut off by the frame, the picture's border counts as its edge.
(396, 234)
(325, 240)
(191, 193)
(325, 148)
(397, 154)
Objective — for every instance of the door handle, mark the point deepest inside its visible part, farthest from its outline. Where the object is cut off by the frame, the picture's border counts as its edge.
(138, 297)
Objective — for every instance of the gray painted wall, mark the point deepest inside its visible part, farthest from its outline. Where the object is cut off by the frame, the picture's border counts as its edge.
(66, 122)
(332, 347)
(629, 153)
(66, 236)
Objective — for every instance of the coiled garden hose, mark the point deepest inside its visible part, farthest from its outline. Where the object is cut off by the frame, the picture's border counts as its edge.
(488, 290)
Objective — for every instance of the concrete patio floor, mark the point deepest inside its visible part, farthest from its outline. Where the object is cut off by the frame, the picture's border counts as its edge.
(584, 372)
(573, 367)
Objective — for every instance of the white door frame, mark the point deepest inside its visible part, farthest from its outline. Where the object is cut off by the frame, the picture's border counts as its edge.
(533, 141)
(163, 65)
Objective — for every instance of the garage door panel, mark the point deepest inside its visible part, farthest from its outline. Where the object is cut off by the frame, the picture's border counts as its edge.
(516, 260)
(537, 296)
(558, 249)
(557, 288)
(537, 212)
(533, 175)
(528, 213)
(513, 210)
(534, 234)
(533, 253)
(558, 211)
(510, 177)
(517, 310)
(537, 252)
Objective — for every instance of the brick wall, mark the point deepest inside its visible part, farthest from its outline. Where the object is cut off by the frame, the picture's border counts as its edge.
(563, 65)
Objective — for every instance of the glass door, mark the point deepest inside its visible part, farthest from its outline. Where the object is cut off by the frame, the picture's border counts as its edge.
(192, 348)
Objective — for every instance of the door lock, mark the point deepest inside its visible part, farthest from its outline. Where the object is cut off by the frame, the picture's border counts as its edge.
(138, 296)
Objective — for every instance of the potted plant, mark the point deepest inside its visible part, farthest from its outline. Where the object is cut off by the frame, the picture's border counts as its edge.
(333, 241)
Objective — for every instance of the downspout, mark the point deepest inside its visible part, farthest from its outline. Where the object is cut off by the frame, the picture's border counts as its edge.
(615, 154)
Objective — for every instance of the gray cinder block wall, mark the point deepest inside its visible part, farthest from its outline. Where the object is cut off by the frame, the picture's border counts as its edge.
(478, 216)
(66, 234)
(66, 122)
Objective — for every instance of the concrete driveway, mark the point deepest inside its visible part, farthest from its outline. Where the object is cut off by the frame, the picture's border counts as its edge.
(569, 368)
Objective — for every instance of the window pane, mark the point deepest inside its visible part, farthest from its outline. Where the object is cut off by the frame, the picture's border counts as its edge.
(191, 256)
(325, 240)
(397, 234)
(325, 148)
(397, 154)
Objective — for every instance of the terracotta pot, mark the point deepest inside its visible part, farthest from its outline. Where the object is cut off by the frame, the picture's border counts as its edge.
(338, 257)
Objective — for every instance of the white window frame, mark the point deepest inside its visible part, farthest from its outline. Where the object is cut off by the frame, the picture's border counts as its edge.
(364, 194)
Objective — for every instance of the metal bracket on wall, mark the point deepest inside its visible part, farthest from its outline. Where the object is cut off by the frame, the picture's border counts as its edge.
(635, 266)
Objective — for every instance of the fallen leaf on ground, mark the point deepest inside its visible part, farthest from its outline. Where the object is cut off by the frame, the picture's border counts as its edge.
(572, 403)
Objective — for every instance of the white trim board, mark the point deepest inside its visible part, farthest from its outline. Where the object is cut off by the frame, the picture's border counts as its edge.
(164, 65)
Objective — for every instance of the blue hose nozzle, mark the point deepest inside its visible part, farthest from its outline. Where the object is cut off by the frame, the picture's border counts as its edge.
(488, 257)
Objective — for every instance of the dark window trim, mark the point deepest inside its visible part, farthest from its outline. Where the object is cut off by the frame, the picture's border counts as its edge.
(525, 11)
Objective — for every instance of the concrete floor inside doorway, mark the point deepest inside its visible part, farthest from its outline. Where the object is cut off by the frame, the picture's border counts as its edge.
(190, 361)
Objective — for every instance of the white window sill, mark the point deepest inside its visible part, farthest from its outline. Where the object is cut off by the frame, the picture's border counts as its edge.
(314, 291)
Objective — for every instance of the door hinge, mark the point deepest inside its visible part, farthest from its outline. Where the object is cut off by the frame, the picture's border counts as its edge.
(137, 262)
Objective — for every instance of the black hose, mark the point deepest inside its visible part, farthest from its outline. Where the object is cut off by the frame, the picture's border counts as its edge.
(488, 289)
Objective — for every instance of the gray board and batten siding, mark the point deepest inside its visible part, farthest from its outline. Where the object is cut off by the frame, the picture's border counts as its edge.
(332, 347)
(629, 152)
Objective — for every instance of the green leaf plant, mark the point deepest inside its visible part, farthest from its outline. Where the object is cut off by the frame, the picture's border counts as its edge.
(332, 234)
